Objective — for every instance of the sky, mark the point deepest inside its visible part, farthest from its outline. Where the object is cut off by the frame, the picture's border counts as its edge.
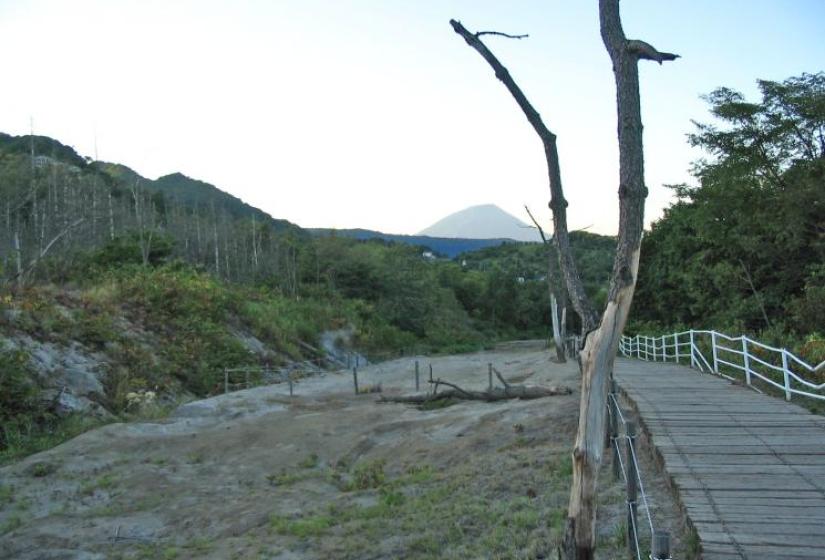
(374, 113)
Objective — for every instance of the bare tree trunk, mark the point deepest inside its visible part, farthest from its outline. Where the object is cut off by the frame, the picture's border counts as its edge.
(111, 217)
(558, 341)
(554, 288)
(18, 251)
(600, 349)
(601, 338)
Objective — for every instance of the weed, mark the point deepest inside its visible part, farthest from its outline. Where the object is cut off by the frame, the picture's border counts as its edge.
(620, 535)
(693, 545)
(437, 404)
(42, 469)
(105, 482)
(310, 462)
(194, 458)
(6, 494)
(311, 526)
(285, 478)
(12, 522)
(368, 475)
(416, 474)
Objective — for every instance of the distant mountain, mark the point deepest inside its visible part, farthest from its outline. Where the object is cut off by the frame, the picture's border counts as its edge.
(486, 221)
(448, 247)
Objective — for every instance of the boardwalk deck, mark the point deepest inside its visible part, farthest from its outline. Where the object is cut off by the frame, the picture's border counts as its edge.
(749, 468)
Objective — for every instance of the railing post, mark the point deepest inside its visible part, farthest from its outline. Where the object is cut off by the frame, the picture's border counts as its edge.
(715, 354)
(289, 379)
(416, 377)
(660, 547)
(692, 346)
(225, 380)
(638, 347)
(676, 346)
(355, 378)
(786, 374)
(746, 360)
(632, 489)
(490, 377)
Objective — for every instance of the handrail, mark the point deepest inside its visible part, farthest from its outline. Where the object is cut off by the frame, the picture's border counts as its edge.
(740, 359)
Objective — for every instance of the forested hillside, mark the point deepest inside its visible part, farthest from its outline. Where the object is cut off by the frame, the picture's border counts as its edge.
(744, 250)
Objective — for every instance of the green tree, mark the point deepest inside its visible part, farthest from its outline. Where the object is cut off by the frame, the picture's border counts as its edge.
(740, 249)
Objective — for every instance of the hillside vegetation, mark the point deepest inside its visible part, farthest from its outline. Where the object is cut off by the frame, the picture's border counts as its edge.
(117, 290)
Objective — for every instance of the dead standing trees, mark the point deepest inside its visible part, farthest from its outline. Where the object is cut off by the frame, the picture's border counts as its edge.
(602, 337)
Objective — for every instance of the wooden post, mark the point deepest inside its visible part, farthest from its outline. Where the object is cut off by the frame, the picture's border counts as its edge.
(786, 374)
(357, 360)
(416, 376)
(225, 380)
(355, 378)
(746, 360)
(715, 355)
(289, 379)
(660, 547)
(614, 430)
(638, 347)
(489, 376)
(632, 489)
(431, 373)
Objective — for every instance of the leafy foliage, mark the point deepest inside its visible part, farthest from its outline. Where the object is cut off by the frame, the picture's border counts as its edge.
(744, 249)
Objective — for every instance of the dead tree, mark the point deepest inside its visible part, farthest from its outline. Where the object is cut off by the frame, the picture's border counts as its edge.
(601, 337)
(556, 293)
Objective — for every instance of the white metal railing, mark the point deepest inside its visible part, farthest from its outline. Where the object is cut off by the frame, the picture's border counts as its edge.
(714, 352)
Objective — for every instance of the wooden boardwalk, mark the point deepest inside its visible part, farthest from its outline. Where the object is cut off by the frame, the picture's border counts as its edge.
(749, 468)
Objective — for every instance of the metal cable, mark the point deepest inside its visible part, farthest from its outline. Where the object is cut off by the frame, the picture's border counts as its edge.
(618, 408)
(619, 455)
(642, 488)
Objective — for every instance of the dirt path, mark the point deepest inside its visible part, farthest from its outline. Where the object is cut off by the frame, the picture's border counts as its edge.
(323, 474)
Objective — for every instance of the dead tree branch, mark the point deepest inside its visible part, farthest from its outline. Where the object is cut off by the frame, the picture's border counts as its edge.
(558, 205)
(509, 391)
(480, 33)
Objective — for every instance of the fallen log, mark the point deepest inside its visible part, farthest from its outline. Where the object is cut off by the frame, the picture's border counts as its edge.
(509, 391)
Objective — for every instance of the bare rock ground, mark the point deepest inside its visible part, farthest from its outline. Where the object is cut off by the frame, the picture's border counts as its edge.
(323, 474)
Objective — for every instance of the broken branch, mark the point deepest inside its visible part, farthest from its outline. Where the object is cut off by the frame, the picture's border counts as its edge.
(480, 33)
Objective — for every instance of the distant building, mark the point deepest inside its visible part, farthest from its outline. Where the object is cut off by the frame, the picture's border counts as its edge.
(428, 255)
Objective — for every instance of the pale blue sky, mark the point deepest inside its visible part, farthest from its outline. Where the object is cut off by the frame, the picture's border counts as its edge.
(375, 113)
